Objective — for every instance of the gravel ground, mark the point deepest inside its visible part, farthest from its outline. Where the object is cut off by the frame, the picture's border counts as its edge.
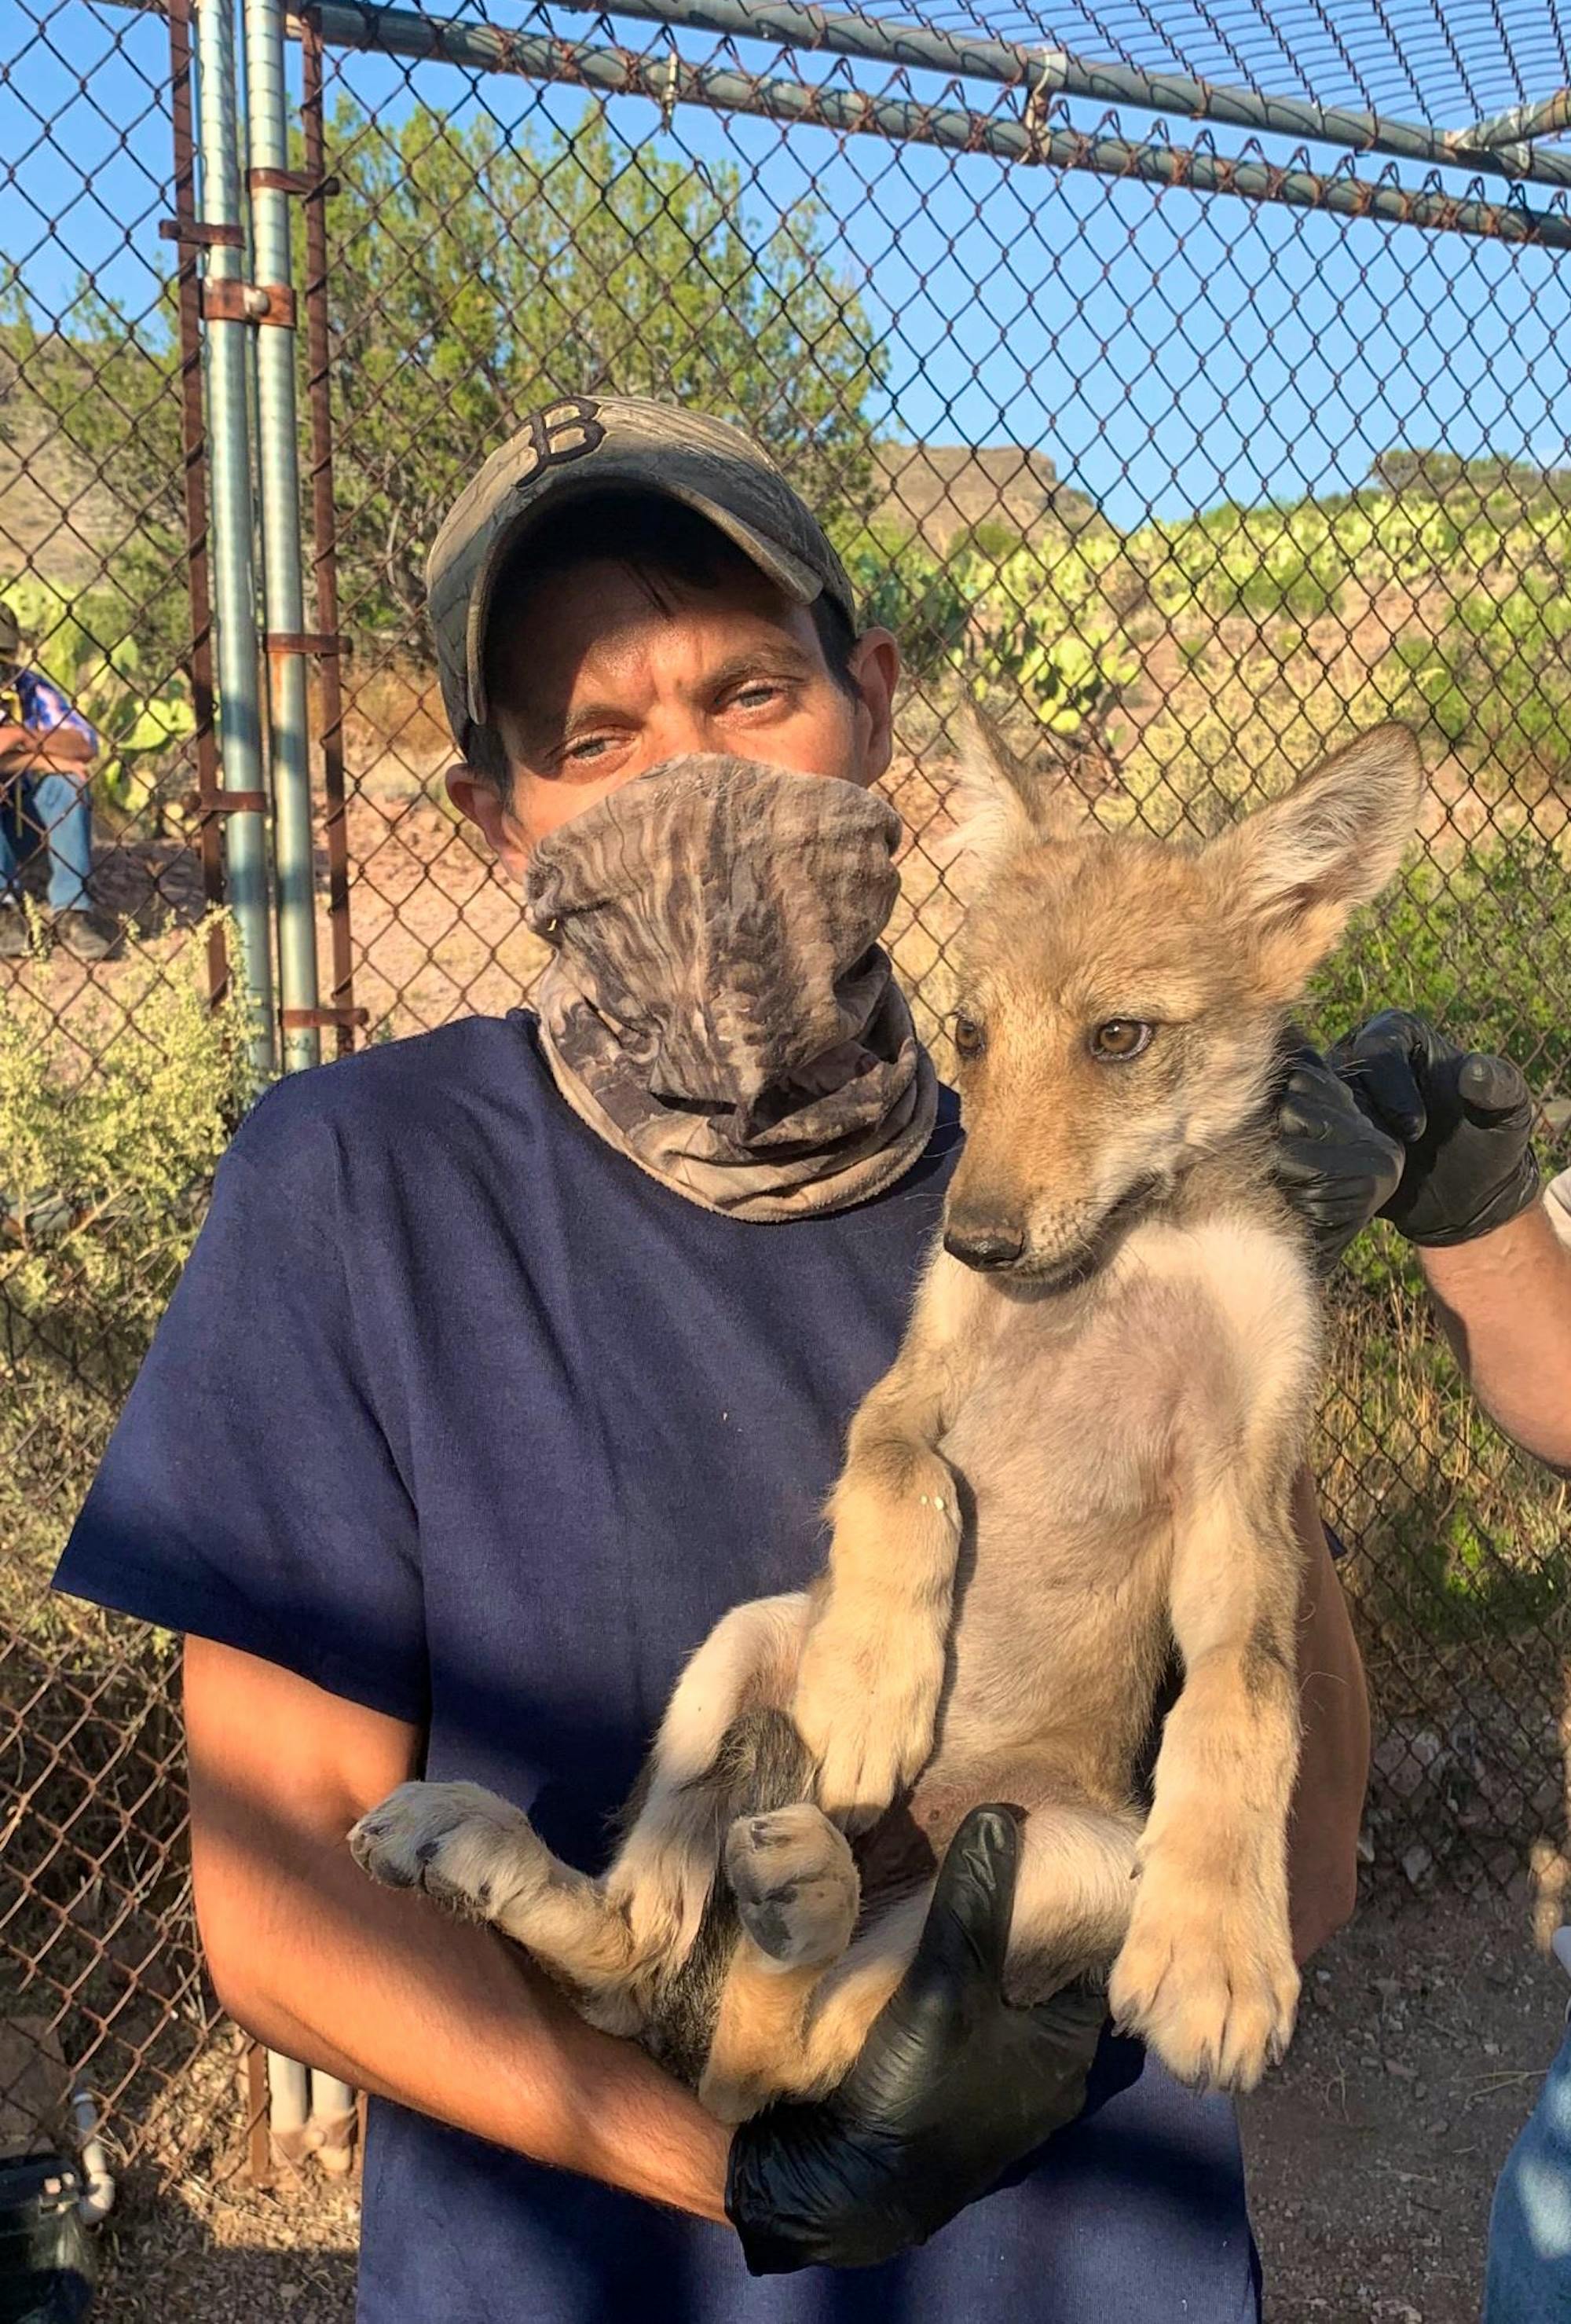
(1372, 2151)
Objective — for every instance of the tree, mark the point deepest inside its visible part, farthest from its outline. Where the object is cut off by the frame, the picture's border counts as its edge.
(473, 278)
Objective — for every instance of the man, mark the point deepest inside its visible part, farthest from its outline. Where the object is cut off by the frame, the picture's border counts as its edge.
(47, 750)
(508, 1362)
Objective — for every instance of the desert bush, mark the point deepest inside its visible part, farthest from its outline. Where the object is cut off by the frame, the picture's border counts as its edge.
(902, 585)
(1496, 677)
(112, 1121)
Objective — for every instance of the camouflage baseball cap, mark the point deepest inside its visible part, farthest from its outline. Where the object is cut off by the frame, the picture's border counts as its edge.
(587, 444)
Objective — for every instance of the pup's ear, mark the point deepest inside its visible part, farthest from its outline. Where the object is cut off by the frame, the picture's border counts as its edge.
(1299, 868)
(999, 805)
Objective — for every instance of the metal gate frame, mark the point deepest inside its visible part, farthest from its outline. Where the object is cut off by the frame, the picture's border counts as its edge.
(255, 771)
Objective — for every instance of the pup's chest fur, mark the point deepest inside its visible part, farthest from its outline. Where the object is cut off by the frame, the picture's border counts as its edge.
(1094, 1417)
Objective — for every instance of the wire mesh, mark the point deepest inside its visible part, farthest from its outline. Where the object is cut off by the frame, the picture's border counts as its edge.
(1195, 484)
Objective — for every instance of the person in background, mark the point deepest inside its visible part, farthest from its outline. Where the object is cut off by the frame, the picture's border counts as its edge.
(1497, 1259)
(47, 750)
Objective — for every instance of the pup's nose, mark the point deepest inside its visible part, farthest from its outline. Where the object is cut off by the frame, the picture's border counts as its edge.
(983, 1242)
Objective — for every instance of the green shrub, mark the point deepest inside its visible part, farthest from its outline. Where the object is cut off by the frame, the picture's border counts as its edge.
(112, 1119)
(1496, 678)
(901, 585)
(1481, 947)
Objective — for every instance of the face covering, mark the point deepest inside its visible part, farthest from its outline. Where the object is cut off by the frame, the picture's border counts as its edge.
(716, 1005)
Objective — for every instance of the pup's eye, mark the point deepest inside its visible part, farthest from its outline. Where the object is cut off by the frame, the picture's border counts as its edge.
(1121, 1037)
(969, 1039)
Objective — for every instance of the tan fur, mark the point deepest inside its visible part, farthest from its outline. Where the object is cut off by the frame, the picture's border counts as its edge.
(1099, 1440)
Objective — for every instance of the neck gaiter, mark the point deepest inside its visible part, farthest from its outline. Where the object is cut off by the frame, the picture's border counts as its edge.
(717, 1006)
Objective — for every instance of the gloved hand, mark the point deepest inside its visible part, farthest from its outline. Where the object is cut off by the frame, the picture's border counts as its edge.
(1464, 1119)
(1336, 1165)
(953, 2085)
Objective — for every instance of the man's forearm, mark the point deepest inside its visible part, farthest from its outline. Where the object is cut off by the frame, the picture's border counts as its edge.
(58, 754)
(1333, 1760)
(391, 1996)
(1504, 1301)
(387, 1991)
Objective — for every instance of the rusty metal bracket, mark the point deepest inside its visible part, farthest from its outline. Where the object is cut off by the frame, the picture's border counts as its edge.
(292, 1019)
(189, 233)
(298, 182)
(227, 301)
(225, 803)
(306, 641)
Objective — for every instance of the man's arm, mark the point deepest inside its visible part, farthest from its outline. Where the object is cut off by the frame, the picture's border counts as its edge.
(1504, 1301)
(1328, 1806)
(61, 750)
(379, 1989)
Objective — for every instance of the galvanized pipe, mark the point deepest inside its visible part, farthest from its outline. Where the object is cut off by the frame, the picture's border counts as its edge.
(239, 709)
(1547, 118)
(283, 587)
(1045, 73)
(1040, 74)
(674, 80)
(194, 449)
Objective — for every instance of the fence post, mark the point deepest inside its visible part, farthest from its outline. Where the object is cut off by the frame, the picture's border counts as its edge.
(271, 185)
(239, 708)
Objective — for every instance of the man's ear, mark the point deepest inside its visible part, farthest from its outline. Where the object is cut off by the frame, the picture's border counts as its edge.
(1298, 869)
(875, 672)
(479, 802)
(999, 805)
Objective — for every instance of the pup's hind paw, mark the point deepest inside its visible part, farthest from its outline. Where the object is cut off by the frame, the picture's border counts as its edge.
(1209, 1981)
(472, 1851)
(795, 1885)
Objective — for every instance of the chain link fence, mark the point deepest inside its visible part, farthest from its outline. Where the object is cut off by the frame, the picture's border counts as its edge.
(1200, 425)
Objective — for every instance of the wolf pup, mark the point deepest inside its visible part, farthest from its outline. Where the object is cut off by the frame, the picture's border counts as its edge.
(1081, 1457)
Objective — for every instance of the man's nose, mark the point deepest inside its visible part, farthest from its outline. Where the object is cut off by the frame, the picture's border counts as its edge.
(984, 1238)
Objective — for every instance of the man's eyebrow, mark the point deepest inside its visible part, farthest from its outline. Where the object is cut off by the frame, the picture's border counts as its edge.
(781, 658)
(546, 726)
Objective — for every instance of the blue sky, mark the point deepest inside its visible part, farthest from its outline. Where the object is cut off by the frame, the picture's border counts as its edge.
(1164, 351)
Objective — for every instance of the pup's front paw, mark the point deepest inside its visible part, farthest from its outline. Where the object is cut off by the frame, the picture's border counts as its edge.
(472, 1851)
(868, 1715)
(1206, 1977)
(795, 1885)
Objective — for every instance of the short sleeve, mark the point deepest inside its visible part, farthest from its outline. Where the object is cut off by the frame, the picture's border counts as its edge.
(47, 710)
(249, 1493)
(1557, 1202)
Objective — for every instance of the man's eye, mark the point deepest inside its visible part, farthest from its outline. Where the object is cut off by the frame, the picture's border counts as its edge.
(757, 696)
(969, 1036)
(587, 747)
(1121, 1038)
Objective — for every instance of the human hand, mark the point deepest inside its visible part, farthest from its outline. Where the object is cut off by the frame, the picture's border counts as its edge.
(954, 2084)
(1464, 1119)
(1336, 1165)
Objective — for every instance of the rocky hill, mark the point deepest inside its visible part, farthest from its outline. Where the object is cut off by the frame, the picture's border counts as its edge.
(943, 490)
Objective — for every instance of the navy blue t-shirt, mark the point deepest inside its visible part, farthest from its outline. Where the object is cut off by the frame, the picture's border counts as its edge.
(458, 1415)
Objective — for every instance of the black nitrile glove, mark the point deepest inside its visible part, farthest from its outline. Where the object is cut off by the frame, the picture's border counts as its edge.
(953, 2085)
(1336, 1167)
(1465, 1121)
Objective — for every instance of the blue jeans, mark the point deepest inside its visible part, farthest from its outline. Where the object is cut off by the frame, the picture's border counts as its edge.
(53, 812)
(1529, 2275)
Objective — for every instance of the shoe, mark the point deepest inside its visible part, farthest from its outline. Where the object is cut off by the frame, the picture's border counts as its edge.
(15, 938)
(88, 935)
